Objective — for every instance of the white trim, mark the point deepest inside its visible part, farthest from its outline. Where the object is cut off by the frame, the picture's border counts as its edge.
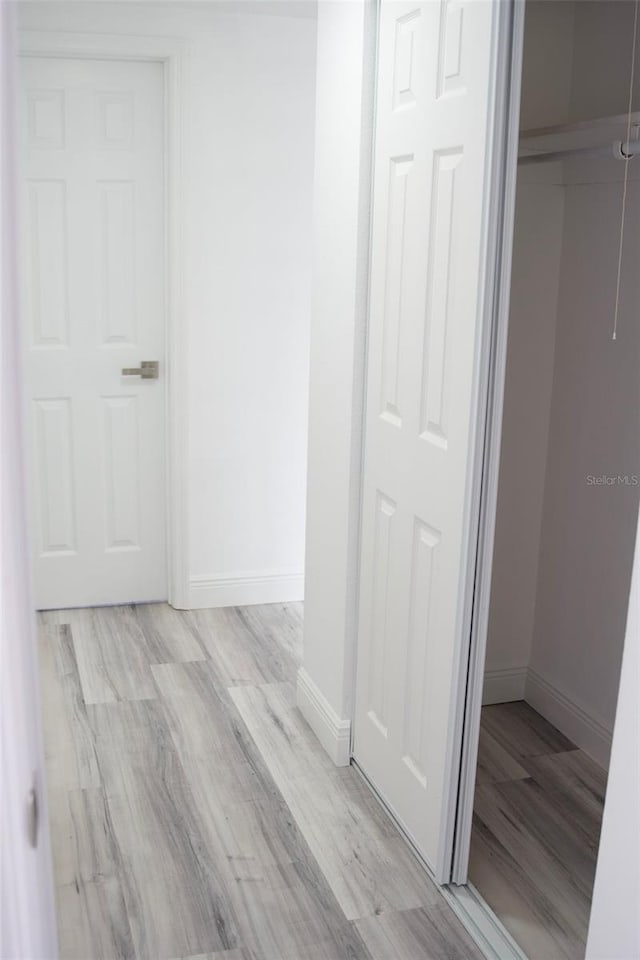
(503, 686)
(243, 591)
(361, 341)
(482, 924)
(333, 732)
(171, 53)
(510, 70)
(499, 184)
(587, 730)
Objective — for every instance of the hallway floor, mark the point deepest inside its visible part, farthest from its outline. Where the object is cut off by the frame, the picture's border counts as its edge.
(538, 810)
(193, 812)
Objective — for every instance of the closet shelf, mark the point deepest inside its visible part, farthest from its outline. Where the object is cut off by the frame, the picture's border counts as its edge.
(595, 138)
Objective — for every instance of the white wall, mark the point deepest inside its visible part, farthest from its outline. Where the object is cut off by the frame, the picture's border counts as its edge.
(248, 137)
(614, 926)
(27, 909)
(341, 199)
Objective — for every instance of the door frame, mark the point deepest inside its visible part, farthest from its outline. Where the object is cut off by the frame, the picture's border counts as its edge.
(504, 218)
(171, 54)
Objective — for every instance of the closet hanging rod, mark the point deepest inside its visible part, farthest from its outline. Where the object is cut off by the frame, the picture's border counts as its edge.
(614, 151)
(580, 126)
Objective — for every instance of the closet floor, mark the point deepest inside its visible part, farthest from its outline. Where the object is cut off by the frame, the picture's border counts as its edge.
(194, 814)
(537, 816)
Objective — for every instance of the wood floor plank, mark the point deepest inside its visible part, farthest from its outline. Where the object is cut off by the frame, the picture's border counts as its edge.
(577, 786)
(93, 922)
(277, 629)
(540, 835)
(59, 747)
(173, 887)
(196, 710)
(535, 839)
(244, 642)
(225, 955)
(199, 817)
(65, 768)
(528, 912)
(230, 646)
(280, 898)
(170, 636)
(93, 893)
(367, 871)
(88, 773)
(204, 730)
(522, 732)
(428, 933)
(97, 855)
(282, 917)
(495, 764)
(285, 741)
(112, 655)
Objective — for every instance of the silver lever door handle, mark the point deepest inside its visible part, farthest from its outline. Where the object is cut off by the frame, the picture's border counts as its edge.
(148, 370)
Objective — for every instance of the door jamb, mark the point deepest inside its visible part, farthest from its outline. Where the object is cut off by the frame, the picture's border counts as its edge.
(508, 111)
(171, 54)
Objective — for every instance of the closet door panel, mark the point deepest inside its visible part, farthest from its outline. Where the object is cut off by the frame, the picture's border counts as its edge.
(433, 125)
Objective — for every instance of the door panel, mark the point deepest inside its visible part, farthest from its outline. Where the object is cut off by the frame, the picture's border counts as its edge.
(433, 125)
(93, 284)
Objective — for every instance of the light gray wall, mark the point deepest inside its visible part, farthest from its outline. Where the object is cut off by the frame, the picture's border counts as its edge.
(565, 624)
(525, 431)
(601, 61)
(547, 62)
(587, 533)
(587, 530)
(535, 278)
(614, 925)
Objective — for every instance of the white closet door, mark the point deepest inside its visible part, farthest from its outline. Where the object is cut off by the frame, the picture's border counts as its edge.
(93, 271)
(433, 120)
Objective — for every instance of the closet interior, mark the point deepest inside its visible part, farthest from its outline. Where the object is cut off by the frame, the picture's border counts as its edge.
(569, 469)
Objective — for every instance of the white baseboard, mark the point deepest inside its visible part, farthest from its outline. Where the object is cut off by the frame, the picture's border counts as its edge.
(588, 731)
(503, 686)
(245, 591)
(333, 732)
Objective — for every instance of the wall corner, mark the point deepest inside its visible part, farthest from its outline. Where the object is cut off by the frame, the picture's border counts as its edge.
(333, 731)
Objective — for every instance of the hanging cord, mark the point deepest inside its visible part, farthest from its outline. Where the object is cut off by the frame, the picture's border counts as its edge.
(626, 170)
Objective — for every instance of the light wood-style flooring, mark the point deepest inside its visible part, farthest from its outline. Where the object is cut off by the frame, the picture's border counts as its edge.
(193, 812)
(538, 811)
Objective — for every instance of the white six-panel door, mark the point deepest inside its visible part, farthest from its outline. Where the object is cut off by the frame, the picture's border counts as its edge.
(433, 119)
(94, 298)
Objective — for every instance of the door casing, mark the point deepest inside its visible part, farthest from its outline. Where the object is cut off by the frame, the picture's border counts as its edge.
(171, 55)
